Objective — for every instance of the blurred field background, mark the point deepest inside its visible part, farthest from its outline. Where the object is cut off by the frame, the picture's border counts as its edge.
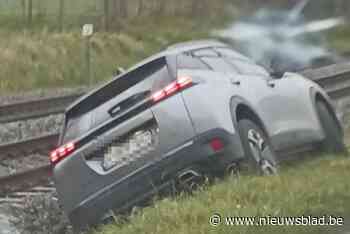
(41, 44)
(107, 15)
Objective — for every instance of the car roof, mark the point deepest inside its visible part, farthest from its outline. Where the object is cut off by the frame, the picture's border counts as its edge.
(171, 50)
(178, 49)
(194, 45)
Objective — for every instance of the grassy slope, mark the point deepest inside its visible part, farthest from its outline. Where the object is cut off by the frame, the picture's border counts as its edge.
(314, 187)
(43, 59)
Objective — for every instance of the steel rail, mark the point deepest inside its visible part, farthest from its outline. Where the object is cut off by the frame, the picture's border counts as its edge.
(36, 108)
(327, 73)
(40, 145)
(25, 180)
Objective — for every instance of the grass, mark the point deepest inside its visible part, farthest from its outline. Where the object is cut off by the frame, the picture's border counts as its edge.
(314, 187)
(50, 60)
(47, 60)
(339, 39)
(40, 58)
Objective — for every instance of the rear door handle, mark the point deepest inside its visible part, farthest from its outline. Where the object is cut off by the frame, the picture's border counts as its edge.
(236, 82)
(271, 83)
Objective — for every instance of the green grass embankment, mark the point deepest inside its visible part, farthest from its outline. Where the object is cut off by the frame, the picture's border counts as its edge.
(316, 187)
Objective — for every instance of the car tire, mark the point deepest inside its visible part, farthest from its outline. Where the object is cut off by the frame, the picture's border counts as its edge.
(334, 142)
(259, 155)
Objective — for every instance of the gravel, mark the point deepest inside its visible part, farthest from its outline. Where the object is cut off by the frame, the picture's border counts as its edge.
(17, 131)
(4, 169)
(5, 226)
(22, 130)
(24, 164)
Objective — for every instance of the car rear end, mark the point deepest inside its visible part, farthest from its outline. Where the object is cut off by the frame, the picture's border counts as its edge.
(133, 137)
(115, 145)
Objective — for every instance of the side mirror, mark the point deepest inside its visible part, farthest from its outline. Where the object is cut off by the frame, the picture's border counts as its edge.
(275, 69)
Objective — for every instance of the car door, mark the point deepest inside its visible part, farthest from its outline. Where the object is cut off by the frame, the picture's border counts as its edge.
(249, 86)
(276, 102)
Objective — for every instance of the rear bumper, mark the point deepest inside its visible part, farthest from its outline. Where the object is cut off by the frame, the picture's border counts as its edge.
(196, 151)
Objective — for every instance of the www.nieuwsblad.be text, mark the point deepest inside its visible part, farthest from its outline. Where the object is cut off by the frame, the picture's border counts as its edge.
(326, 220)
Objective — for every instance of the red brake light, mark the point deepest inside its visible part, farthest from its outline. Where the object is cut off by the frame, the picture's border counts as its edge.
(216, 144)
(157, 96)
(61, 152)
(176, 86)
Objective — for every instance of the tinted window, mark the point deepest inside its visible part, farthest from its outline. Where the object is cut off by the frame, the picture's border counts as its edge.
(248, 68)
(229, 53)
(190, 62)
(142, 82)
(205, 53)
(124, 101)
(219, 65)
(77, 125)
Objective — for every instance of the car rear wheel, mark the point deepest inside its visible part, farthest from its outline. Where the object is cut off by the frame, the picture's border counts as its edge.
(259, 155)
(333, 143)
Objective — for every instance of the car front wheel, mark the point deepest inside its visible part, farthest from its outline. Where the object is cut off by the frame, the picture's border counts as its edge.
(259, 155)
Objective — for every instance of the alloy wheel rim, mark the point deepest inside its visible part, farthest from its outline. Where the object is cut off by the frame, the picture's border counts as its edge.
(261, 152)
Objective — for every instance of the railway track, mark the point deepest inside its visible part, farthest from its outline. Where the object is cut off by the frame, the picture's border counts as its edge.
(36, 108)
(41, 145)
(335, 79)
(17, 199)
(25, 180)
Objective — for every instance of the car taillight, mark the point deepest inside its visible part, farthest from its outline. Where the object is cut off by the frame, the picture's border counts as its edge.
(216, 144)
(61, 152)
(176, 86)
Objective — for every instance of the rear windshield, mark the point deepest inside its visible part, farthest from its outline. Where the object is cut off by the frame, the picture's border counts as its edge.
(126, 91)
